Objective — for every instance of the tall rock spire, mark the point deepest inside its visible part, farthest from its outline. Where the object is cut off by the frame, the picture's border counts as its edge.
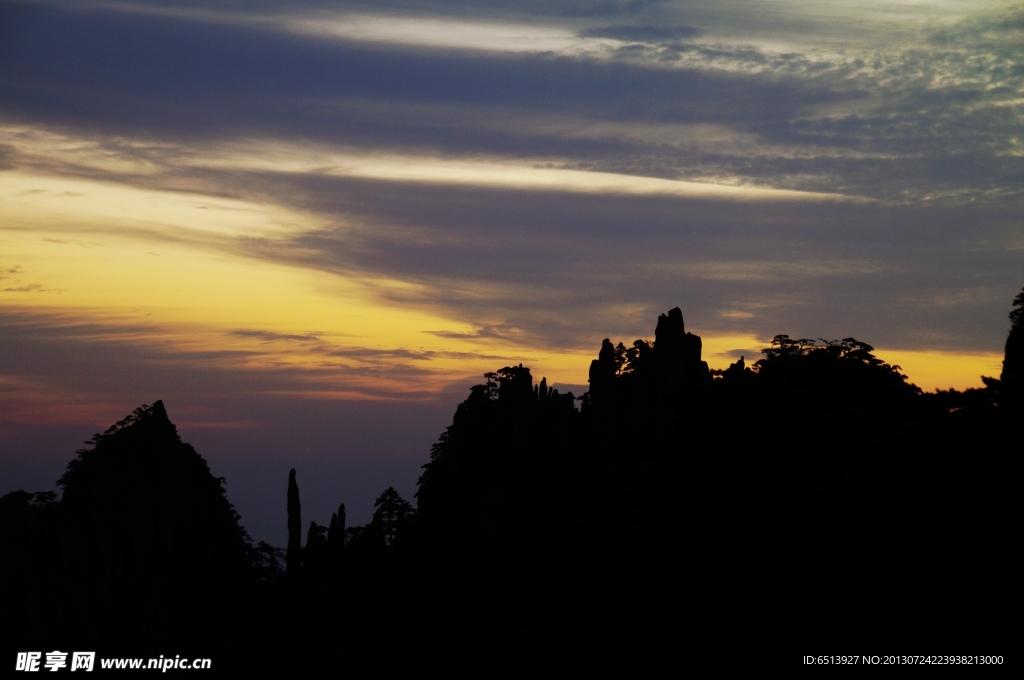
(294, 527)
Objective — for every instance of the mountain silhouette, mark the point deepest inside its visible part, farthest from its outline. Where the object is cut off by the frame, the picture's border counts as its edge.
(813, 501)
(142, 527)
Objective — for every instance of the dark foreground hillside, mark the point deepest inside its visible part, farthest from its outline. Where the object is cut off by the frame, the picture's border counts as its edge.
(673, 517)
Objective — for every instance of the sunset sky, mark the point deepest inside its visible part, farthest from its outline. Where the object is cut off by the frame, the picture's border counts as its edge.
(309, 227)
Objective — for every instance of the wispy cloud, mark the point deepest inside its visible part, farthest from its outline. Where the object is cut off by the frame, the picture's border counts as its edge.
(270, 336)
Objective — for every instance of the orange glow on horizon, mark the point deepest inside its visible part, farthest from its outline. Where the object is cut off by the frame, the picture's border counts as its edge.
(170, 271)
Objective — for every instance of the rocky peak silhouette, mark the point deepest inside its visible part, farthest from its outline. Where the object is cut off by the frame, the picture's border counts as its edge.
(670, 331)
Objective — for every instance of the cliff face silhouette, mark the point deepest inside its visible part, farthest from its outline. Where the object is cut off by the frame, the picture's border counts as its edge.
(810, 499)
(1012, 377)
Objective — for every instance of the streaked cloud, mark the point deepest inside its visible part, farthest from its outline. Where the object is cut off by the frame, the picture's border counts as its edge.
(496, 174)
(438, 33)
